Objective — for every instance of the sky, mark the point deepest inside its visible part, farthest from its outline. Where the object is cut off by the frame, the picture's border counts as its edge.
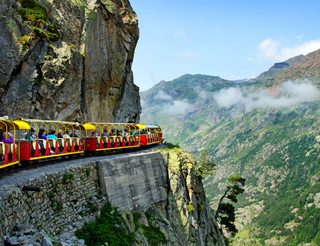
(232, 39)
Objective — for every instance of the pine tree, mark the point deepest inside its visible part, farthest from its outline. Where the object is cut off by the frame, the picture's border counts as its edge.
(225, 214)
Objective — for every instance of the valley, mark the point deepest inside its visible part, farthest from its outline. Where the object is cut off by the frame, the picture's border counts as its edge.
(264, 129)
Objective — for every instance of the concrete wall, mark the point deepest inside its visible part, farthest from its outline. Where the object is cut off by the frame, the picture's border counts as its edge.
(134, 183)
(70, 194)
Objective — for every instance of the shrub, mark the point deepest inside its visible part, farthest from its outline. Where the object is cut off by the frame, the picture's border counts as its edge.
(67, 178)
(172, 146)
(24, 39)
(107, 228)
(190, 207)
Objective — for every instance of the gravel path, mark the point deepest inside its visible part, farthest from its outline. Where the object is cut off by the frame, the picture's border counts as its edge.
(56, 165)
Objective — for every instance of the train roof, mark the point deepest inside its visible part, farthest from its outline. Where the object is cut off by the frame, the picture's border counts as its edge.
(147, 126)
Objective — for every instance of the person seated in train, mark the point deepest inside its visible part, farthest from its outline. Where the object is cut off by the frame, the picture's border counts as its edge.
(3, 139)
(119, 132)
(125, 135)
(111, 133)
(66, 134)
(93, 134)
(31, 135)
(60, 134)
(52, 135)
(105, 133)
(74, 134)
(42, 134)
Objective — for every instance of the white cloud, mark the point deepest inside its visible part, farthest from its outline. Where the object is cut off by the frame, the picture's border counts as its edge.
(163, 96)
(274, 50)
(188, 55)
(179, 33)
(300, 37)
(288, 94)
(178, 107)
(173, 107)
(251, 59)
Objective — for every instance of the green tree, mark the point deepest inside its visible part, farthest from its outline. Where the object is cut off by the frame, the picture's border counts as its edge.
(205, 164)
(225, 214)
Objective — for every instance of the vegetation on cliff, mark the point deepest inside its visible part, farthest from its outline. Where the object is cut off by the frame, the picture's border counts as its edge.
(108, 228)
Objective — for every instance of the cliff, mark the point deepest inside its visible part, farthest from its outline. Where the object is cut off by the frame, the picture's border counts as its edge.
(156, 194)
(68, 60)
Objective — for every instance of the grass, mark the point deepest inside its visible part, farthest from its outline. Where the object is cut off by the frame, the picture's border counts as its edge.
(36, 17)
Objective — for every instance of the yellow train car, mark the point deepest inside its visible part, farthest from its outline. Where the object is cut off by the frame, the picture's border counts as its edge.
(111, 136)
(9, 143)
(42, 139)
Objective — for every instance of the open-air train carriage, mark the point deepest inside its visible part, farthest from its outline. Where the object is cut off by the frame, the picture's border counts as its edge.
(31, 139)
(34, 146)
(9, 152)
(109, 136)
(149, 134)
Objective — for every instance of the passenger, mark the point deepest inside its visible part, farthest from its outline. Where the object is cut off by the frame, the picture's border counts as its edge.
(60, 134)
(119, 132)
(4, 139)
(93, 134)
(105, 133)
(31, 135)
(52, 135)
(42, 134)
(125, 133)
(74, 135)
(66, 135)
(111, 133)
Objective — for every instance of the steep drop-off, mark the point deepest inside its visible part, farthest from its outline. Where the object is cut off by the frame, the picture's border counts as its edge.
(68, 60)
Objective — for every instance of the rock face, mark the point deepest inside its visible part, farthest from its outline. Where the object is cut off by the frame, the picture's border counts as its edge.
(188, 210)
(68, 60)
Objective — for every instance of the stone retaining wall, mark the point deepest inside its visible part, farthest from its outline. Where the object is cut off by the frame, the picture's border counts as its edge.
(66, 198)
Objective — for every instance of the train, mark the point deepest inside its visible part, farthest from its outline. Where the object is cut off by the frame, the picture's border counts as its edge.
(29, 140)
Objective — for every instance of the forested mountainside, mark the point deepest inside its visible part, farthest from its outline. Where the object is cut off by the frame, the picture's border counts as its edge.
(68, 60)
(264, 129)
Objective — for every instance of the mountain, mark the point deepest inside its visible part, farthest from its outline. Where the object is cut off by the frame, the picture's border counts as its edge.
(263, 129)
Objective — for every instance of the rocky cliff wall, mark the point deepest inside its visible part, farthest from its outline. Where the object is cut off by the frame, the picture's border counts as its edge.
(68, 60)
(163, 189)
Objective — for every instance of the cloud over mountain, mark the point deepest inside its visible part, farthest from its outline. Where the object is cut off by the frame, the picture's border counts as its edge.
(287, 94)
(276, 51)
(170, 105)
